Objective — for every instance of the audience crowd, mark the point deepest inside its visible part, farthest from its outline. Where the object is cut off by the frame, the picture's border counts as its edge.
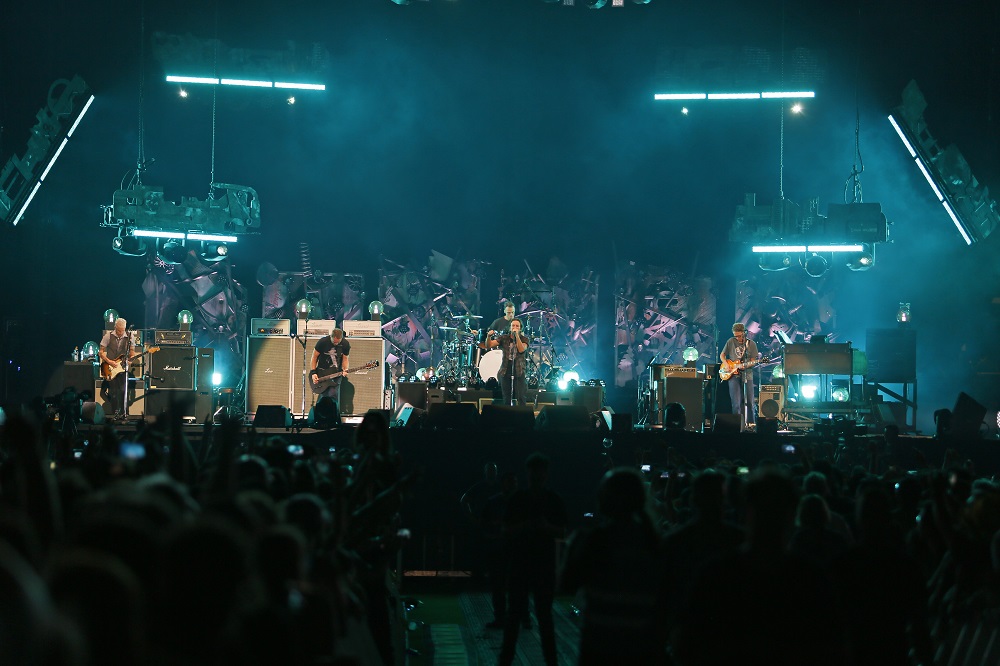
(250, 550)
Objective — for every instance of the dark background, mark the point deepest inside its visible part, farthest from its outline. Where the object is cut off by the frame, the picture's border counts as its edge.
(510, 130)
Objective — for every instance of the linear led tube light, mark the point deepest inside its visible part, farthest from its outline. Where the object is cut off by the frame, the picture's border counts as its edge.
(193, 79)
(212, 237)
(680, 96)
(778, 248)
(26, 202)
(80, 117)
(930, 181)
(154, 233)
(246, 82)
(835, 248)
(906, 142)
(802, 94)
(54, 158)
(300, 86)
(734, 95)
(954, 218)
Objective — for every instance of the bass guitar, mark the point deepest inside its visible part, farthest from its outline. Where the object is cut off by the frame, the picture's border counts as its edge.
(327, 376)
(731, 368)
(109, 371)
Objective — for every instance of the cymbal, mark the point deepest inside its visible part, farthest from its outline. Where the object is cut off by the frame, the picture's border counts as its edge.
(466, 316)
(447, 328)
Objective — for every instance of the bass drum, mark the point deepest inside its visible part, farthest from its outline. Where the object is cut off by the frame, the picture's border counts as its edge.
(489, 364)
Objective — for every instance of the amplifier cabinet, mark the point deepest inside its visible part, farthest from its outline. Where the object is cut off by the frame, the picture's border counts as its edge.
(364, 390)
(173, 369)
(269, 371)
(771, 401)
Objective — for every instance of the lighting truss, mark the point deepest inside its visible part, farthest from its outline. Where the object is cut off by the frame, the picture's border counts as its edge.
(795, 94)
(21, 177)
(247, 83)
(963, 198)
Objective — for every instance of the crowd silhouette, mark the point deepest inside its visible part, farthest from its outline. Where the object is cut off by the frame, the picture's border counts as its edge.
(249, 550)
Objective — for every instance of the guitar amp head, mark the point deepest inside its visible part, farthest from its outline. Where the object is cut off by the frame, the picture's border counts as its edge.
(172, 338)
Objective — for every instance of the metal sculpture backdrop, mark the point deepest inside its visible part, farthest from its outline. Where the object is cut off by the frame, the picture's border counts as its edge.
(658, 314)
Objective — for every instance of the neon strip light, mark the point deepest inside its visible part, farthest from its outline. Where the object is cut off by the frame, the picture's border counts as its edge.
(192, 79)
(54, 158)
(80, 117)
(961, 227)
(300, 86)
(805, 94)
(212, 237)
(930, 181)
(246, 82)
(734, 95)
(778, 248)
(902, 136)
(663, 96)
(796, 94)
(153, 233)
(835, 248)
(27, 201)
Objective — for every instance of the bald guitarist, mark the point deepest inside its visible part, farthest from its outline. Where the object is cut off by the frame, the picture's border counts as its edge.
(738, 356)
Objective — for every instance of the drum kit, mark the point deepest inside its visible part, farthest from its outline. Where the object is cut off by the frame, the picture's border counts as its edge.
(465, 363)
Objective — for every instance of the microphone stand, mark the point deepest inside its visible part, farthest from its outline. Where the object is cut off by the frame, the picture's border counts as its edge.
(513, 355)
(127, 368)
(302, 341)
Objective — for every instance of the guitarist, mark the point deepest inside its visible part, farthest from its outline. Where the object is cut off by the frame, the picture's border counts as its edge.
(740, 349)
(116, 350)
(331, 354)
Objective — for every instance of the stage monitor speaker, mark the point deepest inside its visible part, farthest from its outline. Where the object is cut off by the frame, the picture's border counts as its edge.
(324, 414)
(727, 424)
(563, 417)
(269, 372)
(591, 397)
(771, 401)
(409, 416)
(507, 418)
(173, 369)
(364, 389)
(412, 393)
(452, 416)
(92, 412)
(272, 416)
(967, 417)
(159, 402)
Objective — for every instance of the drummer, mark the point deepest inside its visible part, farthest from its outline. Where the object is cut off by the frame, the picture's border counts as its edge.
(500, 325)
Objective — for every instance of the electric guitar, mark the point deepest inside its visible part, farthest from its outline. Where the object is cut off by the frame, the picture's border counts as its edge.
(730, 368)
(109, 371)
(327, 376)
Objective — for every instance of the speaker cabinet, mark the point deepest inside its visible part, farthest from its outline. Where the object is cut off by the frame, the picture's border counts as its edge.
(412, 393)
(507, 418)
(269, 372)
(687, 391)
(591, 397)
(771, 401)
(136, 398)
(272, 416)
(452, 416)
(160, 402)
(409, 416)
(728, 424)
(173, 369)
(92, 412)
(77, 375)
(967, 417)
(563, 417)
(365, 389)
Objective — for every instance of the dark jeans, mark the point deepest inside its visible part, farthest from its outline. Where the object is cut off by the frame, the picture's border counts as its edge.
(542, 586)
(736, 386)
(520, 389)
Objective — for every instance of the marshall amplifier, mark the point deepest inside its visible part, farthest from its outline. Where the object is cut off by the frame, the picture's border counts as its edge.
(172, 338)
(173, 369)
(266, 327)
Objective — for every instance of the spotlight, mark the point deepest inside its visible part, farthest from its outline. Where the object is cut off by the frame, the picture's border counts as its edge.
(840, 390)
(797, 107)
(773, 261)
(129, 246)
(290, 100)
(816, 265)
(809, 387)
(303, 308)
(183, 93)
(213, 251)
(171, 251)
(216, 379)
(690, 354)
(863, 260)
(903, 314)
(778, 373)
(567, 377)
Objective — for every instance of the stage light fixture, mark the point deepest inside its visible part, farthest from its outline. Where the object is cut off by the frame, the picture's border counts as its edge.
(778, 373)
(840, 390)
(213, 251)
(903, 313)
(110, 315)
(376, 309)
(88, 350)
(595, 4)
(690, 353)
(171, 251)
(567, 377)
(303, 308)
(863, 260)
(809, 387)
(129, 246)
(216, 379)
(815, 265)
(772, 261)
(185, 317)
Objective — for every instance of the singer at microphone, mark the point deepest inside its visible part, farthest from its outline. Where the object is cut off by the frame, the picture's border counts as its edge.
(512, 371)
